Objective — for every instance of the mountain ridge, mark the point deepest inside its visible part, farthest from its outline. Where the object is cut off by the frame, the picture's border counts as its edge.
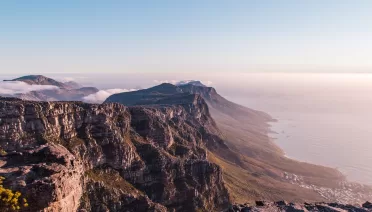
(69, 91)
(245, 132)
(169, 147)
(38, 80)
(154, 157)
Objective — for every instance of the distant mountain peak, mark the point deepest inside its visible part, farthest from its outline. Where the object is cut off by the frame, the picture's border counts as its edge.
(31, 77)
(67, 91)
(39, 80)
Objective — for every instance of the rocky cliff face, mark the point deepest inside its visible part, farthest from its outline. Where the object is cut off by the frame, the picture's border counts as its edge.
(71, 156)
(284, 206)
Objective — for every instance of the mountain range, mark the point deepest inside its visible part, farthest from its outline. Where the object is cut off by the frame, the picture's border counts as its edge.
(253, 166)
(179, 147)
(67, 91)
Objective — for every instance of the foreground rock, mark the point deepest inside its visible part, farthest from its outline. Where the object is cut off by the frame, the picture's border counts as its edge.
(71, 156)
(283, 206)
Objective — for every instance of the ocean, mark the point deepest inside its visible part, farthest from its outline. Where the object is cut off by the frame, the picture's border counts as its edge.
(323, 119)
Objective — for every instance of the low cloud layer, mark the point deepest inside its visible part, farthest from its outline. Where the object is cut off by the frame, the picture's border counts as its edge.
(102, 95)
(182, 82)
(11, 88)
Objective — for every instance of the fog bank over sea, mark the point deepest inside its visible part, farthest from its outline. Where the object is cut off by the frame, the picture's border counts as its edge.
(322, 118)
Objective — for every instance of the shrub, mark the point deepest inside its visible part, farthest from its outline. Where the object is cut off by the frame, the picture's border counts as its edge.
(10, 200)
(2, 152)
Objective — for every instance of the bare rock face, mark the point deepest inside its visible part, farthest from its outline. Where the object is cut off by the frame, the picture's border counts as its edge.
(367, 205)
(172, 140)
(106, 190)
(283, 206)
(48, 175)
(71, 156)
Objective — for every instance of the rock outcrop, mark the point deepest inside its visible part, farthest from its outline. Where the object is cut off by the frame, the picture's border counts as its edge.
(71, 156)
(283, 206)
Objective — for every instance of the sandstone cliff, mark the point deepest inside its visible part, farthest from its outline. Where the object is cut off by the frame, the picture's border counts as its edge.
(283, 206)
(71, 156)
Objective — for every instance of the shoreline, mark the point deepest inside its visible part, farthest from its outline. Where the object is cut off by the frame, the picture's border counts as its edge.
(347, 180)
(340, 189)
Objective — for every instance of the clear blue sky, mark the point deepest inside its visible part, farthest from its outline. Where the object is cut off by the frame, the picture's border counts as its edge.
(191, 35)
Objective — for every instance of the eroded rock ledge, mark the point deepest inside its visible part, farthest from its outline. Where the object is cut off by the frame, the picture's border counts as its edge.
(283, 206)
(71, 156)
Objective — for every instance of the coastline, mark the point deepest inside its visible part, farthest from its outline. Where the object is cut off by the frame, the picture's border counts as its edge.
(279, 134)
(346, 185)
(274, 140)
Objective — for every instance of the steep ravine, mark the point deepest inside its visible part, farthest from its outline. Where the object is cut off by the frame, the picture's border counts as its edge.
(71, 156)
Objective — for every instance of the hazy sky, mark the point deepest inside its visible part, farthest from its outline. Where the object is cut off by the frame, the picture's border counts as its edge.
(43, 37)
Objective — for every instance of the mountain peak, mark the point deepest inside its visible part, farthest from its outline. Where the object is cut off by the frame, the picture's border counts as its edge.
(39, 80)
(164, 88)
(31, 77)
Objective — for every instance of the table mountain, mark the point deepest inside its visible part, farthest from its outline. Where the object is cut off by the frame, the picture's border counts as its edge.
(70, 156)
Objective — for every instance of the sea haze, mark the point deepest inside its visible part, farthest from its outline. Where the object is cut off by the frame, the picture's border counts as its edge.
(322, 118)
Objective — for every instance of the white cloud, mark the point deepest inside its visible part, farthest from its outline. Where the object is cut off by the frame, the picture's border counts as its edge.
(11, 88)
(102, 95)
(166, 81)
(67, 79)
(207, 83)
(182, 82)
